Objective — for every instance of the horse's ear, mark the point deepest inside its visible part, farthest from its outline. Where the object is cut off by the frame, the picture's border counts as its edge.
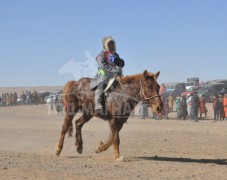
(145, 74)
(157, 74)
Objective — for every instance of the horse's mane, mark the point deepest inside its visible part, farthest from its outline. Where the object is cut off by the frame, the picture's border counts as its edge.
(132, 78)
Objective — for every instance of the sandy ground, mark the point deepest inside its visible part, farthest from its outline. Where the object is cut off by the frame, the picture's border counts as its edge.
(153, 149)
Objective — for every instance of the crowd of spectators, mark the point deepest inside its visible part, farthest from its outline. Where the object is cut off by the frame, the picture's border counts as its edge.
(25, 98)
(188, 107)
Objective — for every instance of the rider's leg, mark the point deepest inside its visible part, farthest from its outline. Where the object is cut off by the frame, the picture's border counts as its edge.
(98, 97)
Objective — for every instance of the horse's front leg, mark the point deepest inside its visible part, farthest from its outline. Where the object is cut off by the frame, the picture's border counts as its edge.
(67, 124)
(115, 127)
(116, 139)
(79, 124)
(104, 146)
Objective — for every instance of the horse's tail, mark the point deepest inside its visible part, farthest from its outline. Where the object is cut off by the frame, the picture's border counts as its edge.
(69, 99)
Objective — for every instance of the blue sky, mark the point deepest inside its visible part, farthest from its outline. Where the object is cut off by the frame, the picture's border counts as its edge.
(178, 37)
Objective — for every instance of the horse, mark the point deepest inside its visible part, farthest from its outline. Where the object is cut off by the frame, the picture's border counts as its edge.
(119, 104)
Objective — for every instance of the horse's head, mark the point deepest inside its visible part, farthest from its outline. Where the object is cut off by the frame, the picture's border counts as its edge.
(149, 91)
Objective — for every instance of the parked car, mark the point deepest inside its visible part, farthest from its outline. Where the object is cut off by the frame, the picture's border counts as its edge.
(44, 93)
(49, 98)
(194, 79)
(224, 81)
(56, 92)
(176, 89)
(191, 90)
(53, 95)
(209, 90)
(190, 84)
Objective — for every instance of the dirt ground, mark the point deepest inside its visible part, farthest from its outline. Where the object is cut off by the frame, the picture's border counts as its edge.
(153, 149)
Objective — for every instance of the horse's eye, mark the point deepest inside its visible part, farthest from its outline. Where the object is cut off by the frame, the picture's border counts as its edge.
(148, 85)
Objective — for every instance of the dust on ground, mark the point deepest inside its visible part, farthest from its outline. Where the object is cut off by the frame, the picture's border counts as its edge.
(153, 149)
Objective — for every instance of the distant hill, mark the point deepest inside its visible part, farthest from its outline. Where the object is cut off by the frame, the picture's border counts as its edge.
(19, 90)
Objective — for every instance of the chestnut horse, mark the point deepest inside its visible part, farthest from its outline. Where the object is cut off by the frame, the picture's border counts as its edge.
(118, 106)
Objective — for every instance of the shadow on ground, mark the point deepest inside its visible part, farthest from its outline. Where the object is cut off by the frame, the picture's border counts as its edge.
(185, 160)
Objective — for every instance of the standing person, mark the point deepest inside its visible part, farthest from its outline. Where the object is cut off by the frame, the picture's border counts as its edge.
(143, 110)
(189, 106)
(218, 108)
(15, 97)
(7, 99)
(56, 101)
(61, 104)
(3, 99)
(23, 98)
(184, 107)
(109, 64)
(166, 108)
(225, 105)
(179, 107)
(11, 99)
(161, 114)
(215, 106)
(222, 111)
(51, 103)
(162, 89)
(171, 102)
(203, 109)
(195, 106)
(29, 97)
(35, 97)
(177, 100)
(58, 105)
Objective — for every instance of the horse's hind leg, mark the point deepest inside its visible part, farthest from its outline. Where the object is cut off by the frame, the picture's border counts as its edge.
(79, 124)
(67, 124)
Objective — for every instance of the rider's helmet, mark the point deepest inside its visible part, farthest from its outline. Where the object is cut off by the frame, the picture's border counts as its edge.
(106, 46)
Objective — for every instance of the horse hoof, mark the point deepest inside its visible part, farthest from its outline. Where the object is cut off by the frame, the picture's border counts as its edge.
(57, 151)
(99, 147)
(97, 150)
(79, 150)
(120, 159)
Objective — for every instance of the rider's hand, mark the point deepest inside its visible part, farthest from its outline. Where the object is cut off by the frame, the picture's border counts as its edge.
(117, 70)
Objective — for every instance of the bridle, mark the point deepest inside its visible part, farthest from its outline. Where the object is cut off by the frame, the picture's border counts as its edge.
(144, 96)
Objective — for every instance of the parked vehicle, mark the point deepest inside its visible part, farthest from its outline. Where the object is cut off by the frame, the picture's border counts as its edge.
(191, 90)
(49, 98)
(175, 89)
(194, 79)
(192, 82)
(209, 90)
(223, 81)
(52, 93)
(53, 96)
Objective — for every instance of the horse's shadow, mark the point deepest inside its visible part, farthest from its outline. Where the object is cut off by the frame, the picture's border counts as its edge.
(185, 160)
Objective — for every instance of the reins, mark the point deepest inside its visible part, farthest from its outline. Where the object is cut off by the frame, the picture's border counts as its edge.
(146, 98)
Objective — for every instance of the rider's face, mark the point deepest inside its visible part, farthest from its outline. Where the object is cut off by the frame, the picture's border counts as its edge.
(111, 46)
